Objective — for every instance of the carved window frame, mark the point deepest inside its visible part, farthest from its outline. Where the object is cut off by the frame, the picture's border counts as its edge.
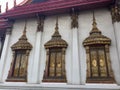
(55, 78)
(56, 44)
(109, 73)
(94, 70)
(24, 47)
(11, 76)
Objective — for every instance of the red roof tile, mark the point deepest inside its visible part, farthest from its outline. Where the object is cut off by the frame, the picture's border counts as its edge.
(53, 7)
(48, 8)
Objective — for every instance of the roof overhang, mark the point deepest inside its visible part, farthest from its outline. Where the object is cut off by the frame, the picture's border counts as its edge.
(4, 24)
(53, 7)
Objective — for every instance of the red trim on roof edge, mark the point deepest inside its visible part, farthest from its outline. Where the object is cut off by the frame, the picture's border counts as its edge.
(53, 7)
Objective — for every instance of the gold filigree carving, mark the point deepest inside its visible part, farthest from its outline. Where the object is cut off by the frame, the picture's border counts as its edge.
(102, 64)
(98, 60)
(40, 22)
(56, 40)
(74, 17)
(95, 36)
(55, 63)
(21, 50)
(115, 12)
(94, 63)
(22, 43)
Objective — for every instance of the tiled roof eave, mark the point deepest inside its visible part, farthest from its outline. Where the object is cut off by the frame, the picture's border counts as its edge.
(50, 7)
(5, 25)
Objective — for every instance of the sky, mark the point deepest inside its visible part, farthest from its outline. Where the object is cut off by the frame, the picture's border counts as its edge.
(10, 4)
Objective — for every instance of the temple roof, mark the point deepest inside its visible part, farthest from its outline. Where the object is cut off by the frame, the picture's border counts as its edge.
(5, 24)
(51, 7)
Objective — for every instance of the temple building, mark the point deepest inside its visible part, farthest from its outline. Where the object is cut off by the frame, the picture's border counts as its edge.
(60, 45)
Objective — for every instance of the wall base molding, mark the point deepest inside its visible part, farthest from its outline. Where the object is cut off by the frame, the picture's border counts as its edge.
(58, 86)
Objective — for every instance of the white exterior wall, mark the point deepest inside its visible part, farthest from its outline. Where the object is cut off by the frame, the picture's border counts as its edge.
(3, 55)
(15, 35)
(104, 23)
(103, 18)
(49, 29)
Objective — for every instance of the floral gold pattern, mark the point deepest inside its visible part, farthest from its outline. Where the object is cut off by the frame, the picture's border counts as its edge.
(56, 40)
(22, 43)
(115, 12)
(21, 50)
(96, 37)
(55, 55)
(98, 60)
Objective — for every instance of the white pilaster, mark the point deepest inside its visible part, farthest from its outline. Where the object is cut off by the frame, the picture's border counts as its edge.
(36, 60)
(37, 54)
(115, 13)
(4, 54)
(75, 57)
(117, 36)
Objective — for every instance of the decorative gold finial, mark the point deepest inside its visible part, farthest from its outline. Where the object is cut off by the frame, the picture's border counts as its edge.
(94, 30)
(22, 43)
(56, 40)
(56, 33)
(56, 28)
(24, 32)
(96, 36)
(94, 21)
(23, 37)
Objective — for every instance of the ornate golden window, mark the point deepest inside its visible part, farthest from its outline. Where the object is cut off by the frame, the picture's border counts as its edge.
(19, 64)
(55, 55)
(98, 59)
(55, 63)
(18, 69)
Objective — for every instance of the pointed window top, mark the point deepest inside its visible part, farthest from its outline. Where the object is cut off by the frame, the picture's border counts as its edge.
(56, 33)
(94, 24)
(56, 40)
(96, 36)
(22, 43)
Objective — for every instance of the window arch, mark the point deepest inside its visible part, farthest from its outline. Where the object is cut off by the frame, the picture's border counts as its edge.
(18, 69)
(98, 59)
(55, 54)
